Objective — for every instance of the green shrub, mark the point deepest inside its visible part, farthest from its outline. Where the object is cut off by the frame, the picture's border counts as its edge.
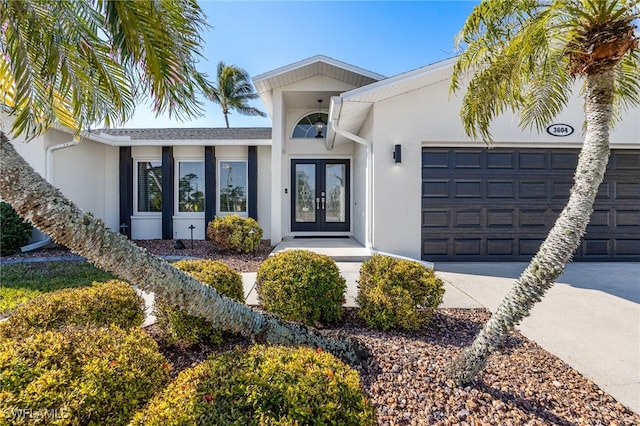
(397, 293)
(235, 233)
(103, 304)
(79, 375)
(14, 232)
(263, 386)
(302, 286)
(176, 323)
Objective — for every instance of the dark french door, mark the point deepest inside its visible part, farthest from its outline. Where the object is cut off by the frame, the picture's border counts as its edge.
(320, 195)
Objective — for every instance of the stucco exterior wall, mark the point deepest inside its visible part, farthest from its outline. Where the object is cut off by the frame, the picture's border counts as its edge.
(428, 117)
(87, 173)
(360, 170)
(264, 190)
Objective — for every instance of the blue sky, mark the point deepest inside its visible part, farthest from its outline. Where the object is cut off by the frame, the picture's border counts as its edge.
(386, 37)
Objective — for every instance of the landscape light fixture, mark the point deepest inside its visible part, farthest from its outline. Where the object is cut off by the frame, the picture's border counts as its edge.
(319, 123)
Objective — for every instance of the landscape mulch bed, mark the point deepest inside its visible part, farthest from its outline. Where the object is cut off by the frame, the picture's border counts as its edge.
(201, 249)
(405, 376)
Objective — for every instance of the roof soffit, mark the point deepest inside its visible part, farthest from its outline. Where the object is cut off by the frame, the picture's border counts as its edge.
(353, 111)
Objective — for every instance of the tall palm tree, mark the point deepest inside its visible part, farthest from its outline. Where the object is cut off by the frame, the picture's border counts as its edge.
(233, 91)
(526, 56)
(80, 62)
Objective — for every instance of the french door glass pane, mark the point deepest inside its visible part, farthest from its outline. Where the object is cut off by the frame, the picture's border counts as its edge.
(335, 176)
(305, 192)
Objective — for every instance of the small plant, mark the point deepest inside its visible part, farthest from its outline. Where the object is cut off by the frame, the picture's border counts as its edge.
(103, 304)
(235, 233)
(397, 293)
(302, 286)
(81, 376)
(266, 385)
(14, 232)
(176, 323)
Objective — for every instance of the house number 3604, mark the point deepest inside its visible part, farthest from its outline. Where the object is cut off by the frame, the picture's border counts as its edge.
(559, 130)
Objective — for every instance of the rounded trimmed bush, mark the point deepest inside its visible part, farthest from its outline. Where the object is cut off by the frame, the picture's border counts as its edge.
(102, 304)
(14, 232)
(235, 233)
(266, 385)
(301, 286)
(80, 375)
(176, 323)
(396, 293)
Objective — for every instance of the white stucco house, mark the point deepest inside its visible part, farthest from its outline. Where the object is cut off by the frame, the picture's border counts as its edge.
(392, 168)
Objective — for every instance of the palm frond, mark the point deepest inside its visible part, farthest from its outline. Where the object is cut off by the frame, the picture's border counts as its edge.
(520, 56)
(233, 91)
(97, 58)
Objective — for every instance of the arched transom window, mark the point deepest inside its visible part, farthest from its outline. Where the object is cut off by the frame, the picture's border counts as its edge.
(306, 127)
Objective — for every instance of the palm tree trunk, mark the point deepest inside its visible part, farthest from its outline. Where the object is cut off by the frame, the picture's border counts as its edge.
(47, 209)
(226, 118)
(563, 239)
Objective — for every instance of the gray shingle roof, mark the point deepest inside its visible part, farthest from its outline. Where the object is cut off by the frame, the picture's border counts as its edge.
(204, 133)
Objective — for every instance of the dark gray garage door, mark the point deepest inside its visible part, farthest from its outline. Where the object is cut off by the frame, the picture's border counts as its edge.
(499, 204)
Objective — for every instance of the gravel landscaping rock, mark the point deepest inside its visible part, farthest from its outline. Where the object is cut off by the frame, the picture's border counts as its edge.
(405, 377)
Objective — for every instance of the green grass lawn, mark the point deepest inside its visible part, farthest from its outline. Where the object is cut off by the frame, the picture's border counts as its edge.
(20, 283)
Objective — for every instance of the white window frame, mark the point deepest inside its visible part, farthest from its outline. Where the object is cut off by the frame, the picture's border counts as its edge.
(135, 187)
(219, 170)
(176, 187)
(305, 115)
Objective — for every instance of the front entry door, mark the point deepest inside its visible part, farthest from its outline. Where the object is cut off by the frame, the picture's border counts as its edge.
(320, 195)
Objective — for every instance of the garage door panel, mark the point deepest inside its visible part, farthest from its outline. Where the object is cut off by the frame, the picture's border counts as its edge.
(627, 190)
(533, 160)
(435, 189)
(601, 218)
(533, 189)
(435, 159)
(500, 204)
(627, 247)
(468, 219)
(564, 160)
(622, 161)
(501, 189)
(467, 189)
(500, 247)
(468, 160)
(626, 218)
(501, 160)
(437, 248)
(592, 248)
(435, 218)
(501, 218)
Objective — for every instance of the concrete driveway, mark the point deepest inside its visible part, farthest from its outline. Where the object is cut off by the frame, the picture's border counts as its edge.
(590, 319)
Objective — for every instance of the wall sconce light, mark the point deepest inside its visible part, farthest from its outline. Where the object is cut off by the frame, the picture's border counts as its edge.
(397, 153)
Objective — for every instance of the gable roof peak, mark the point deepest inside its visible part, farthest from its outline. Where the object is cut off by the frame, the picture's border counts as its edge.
(316, 59)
